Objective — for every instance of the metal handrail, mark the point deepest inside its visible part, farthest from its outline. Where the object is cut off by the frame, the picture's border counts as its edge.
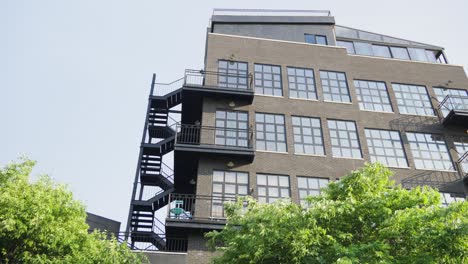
(210, 135)
(269, 12)
(219, 80)
(462, 164)
(144, 241)
(453, 106)
(192, 207)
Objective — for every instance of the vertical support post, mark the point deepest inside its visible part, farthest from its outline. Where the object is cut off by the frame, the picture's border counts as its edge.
(137, 172)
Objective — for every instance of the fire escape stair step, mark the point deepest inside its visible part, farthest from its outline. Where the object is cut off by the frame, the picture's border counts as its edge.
(156, 180)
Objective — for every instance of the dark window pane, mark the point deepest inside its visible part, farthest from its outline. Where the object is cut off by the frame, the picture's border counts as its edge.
(310, 39)
(322, 40)
(431, 56)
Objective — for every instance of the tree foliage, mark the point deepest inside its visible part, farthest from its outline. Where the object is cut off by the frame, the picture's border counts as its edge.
(41, 223)
(363, 218)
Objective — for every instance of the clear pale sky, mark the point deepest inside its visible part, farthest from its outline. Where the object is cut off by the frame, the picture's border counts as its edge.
(75, 75)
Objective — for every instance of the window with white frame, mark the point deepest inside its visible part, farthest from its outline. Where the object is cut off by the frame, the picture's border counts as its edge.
(232, 128)
(272, 187)
(462, 149)
(307, 135)
(268, 80)
(412, 99)
(458, 99)
(448, 198)
(301, 83)
(385, 146)
(270, 132)
(344, 139)
(232, 74)
(226, 186)
(429, 152)
(310, 186)
(334, 86)
(372, 96)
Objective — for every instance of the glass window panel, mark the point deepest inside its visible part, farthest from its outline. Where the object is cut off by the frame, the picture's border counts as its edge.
(298, 82)
(334, 90)
(270, 130)
(381, 51)
(310, 186)
(347, 44)
(457, 100)
(400, 53)
(308, 135)
(363, 48)
(236, 74)
(264, 74)
(272, 187)
(392, 154)
(231, 128)
(429, 152)
(412, 99)
(372, 96)
(417, 54)
(341, 135)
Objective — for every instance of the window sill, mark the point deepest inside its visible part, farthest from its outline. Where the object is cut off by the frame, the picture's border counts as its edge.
(336, 102)
(374, 111)
(267, 95)
(274, 152)
(348, 158)
(418, 115)
(434, 170)
(304, 99)
(310, 155)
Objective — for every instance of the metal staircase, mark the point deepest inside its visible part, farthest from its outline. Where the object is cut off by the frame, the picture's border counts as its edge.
(154, 180)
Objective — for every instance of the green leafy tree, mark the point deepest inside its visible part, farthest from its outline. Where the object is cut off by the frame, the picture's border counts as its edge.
(363, 218)
(41, 223)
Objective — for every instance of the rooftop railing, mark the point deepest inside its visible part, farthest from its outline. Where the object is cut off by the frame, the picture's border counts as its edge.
(269, 12)
(216, 136)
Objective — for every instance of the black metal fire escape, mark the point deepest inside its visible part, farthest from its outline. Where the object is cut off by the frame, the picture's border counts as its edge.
(153, 176)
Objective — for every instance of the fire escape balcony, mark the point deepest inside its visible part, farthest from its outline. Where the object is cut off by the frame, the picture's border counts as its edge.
(219, 84)
(453, 111)
(215, 140)
(197, 211)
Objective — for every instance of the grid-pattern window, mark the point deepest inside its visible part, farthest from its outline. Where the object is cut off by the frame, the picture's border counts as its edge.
(372, 96)
(429, 153)
(307, 135)
(301, 83)
(226, 186)
(457, 101)
(310, 186)
(344, 139)
(462, 148)
(231, 128)
(386, 147)
(268, 80)
(412, 99)
(270, 132)
(272, 187)
(381, 51)
(334, 86)
(232, 74)
(448, 198)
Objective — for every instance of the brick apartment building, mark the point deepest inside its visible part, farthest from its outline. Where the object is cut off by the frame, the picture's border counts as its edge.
(288, 101)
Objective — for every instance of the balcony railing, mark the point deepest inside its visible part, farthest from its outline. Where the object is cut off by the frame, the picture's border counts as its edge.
(198, 207)
(453, 103)
(215, 136)
(145, 241)
(462, 164)
(207, 80)
(219, 80)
